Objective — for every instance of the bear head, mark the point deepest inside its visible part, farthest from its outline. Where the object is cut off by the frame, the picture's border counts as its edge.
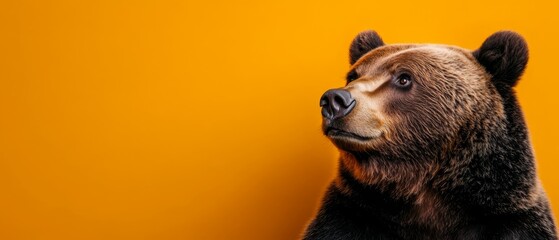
(411, 113)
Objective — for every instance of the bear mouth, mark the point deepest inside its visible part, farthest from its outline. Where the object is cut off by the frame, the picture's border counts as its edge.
(339, 133)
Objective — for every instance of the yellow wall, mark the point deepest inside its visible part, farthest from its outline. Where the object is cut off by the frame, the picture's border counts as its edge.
(200, 119)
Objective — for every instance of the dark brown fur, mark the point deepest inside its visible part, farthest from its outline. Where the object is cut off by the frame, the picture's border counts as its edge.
(449, 157)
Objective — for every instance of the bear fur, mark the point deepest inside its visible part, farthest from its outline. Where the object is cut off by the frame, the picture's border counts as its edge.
(436, 146)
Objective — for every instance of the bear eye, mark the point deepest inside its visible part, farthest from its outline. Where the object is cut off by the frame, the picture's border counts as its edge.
(352, 76)
(403, 80)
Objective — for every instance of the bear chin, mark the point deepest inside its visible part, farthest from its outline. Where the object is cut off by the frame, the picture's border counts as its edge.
(350, 143)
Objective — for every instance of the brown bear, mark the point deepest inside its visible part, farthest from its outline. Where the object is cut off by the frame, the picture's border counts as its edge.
(433, 145)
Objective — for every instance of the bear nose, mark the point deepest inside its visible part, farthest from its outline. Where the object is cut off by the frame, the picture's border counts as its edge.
(336, 103)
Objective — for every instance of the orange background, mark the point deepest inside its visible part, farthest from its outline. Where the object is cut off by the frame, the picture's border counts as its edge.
(191, 120)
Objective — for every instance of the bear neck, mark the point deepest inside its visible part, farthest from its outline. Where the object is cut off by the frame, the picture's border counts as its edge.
(382, 202)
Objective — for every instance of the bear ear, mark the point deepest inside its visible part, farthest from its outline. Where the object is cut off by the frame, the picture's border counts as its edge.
(363, 43)
(504, 55)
